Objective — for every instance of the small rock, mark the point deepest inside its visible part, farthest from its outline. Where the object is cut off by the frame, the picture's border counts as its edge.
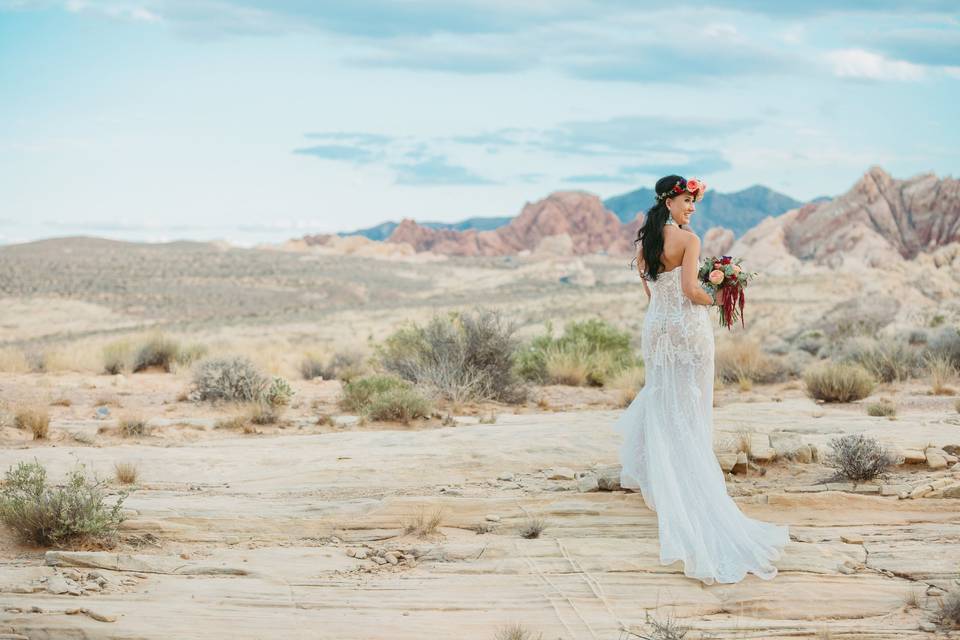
(927, 626)
(588, 484)
(505, 476)
(802, 454)
(57, 585)
(560, 473)
(867, 488)
(608, 478)
(935, 460)
(73, 574)
(91, 586)
(845, 570)
(102, 413)
(951, 491)
(391, 557)
(742, 463)
(231, 540)
(921, 491)
(360, 554)
(851, 538)
(335, 540)
(839, 486)
(913, 456)
(813, 488)
(379, 560)
(492, 518)
(727, 461)
(893, 489)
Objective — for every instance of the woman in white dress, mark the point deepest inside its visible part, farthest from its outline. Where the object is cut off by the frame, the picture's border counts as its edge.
(667, 451)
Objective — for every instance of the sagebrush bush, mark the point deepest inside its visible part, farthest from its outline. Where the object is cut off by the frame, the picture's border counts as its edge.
(859, 458)
(458, 357)
(57, 515)
(36, 420)
(157, 351)
(742, 359)
(234, 378)
(946, 342)
(887, 359)
(590, 352)
(838, 382)
(948, 611)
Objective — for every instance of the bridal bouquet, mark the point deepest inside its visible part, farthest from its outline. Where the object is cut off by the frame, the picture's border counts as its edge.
(724, 279)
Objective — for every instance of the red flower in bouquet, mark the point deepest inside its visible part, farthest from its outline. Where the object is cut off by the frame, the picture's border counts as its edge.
(725, 279)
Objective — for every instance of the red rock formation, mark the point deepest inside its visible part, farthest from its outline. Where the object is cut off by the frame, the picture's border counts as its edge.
(582, 216)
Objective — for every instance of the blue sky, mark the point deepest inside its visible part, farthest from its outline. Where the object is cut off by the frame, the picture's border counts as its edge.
(155, 119)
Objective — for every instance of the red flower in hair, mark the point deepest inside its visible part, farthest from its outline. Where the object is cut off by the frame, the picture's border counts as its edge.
(693, 185)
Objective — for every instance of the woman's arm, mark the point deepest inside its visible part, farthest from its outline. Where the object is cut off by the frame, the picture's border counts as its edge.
(688, 276)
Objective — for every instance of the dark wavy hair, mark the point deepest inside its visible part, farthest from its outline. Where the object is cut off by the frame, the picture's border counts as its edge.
(650, 233)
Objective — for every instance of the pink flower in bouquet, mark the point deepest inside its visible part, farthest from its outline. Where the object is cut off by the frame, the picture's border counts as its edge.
(736, 268)
(716, 276)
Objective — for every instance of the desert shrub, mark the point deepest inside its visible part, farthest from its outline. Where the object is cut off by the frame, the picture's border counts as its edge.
(312, 366)
(669, 629)
(117, 356)
(627, 383)
(864, 316)
(946, 342)
(941, 371)
(56, 515)
(917, 337)
(590, 352)
(126, 472)
(887, 359)
(399, 405)
(881, 409)
(859, 458)
(810, 341)
(948, 611)
(36, 420)
(233, 378)
(237, 421)
(384, 397)
(458, 357)
(345, 366)
(157, 351)
(838, 382)
(742, 360)
(133, 425)
(279, 393)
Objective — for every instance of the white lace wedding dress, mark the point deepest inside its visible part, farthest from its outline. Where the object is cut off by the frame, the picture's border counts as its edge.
(667, 451)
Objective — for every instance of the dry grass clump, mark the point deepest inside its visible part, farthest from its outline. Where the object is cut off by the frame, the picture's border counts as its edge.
(132, 425)
(946, 342)
(859, 458)
(13, 361)
(423, 525)
(515, 632)
(238, 421)
(668, 629)
(157, 351)
(838, 382)
(343, 366)
(463, 356)
(117, 356)
(532, 528)
(263, 413)
(36, 420)
(882, 409)
(741, 360)
(628, 383)
(57, 515)
(948, 612)
(126, 472)
(232, 378)
(942, 371)
(61, 402)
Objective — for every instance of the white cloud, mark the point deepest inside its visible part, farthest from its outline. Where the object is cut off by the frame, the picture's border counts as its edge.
(860, 64)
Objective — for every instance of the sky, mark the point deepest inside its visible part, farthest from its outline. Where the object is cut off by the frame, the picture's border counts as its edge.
(267, 119)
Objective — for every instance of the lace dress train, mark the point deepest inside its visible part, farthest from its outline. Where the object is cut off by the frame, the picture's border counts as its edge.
(667, 450)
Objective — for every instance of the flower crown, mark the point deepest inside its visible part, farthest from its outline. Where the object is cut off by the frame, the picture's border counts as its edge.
(694, 186)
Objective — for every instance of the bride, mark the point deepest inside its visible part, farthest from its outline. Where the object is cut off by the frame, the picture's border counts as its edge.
(667, 451)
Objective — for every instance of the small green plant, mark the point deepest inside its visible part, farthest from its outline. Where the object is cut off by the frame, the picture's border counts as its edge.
(838, 382)
(57, 515)
(358, 393)
(859, 458)
(36, 420)
(157, 351)
(398, 405)
(279, 393)
(233, 378)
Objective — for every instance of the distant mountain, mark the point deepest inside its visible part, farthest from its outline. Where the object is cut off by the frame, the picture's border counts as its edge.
(880, 221)
(383, 230)
(738, 211)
